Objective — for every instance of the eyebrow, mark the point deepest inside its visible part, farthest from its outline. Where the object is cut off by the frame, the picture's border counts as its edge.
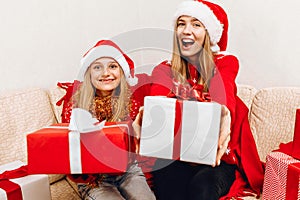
(97, 62)
(192, 20)
(110, 62)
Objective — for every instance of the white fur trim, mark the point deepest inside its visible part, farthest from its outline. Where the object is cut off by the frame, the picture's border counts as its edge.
(132, 81)
(215, 48)
(205, 15)
(103, 51)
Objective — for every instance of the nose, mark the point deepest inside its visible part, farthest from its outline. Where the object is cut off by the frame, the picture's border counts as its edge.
(187, 29)
(105, 71)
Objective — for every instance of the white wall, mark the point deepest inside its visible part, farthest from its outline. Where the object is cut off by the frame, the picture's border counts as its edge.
(42, 42)
(266, 37)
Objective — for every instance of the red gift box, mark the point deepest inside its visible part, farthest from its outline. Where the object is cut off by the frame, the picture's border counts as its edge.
(56, 150)
(296, 141)
(281, 177)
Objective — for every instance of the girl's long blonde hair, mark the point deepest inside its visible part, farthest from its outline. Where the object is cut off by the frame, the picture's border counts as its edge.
(206, 60)
(84, 96)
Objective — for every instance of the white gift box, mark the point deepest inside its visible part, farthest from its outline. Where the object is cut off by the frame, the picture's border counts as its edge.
(34, 187)
(180, 129)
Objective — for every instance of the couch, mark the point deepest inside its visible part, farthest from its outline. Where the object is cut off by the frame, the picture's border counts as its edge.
(272, 119)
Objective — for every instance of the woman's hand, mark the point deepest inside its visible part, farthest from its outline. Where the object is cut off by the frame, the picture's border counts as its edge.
(224, 136)
(136, 125)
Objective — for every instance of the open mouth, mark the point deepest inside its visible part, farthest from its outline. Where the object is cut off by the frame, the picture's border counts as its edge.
(187, 42)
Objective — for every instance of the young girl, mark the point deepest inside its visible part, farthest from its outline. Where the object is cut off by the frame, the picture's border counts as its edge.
(200, 36)
(106, 73)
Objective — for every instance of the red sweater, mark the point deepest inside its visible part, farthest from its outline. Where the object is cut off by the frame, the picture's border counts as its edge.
(250, 172)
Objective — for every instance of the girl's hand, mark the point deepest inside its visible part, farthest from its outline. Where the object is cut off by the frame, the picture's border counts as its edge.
(136, 125)
(224, 136)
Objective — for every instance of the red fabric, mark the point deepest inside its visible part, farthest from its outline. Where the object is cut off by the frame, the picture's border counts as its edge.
(48, 151)
(15, 173)
(222, 17)
(296, 140)
(12, 189)
(277, 182)
(142, 88)
(177, 130)
(293, 148)
(293, 171)
(292, 184)
(250, 173)
(70, 88)
(286, 148)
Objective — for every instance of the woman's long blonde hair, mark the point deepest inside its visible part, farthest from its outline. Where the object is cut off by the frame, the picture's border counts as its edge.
(206, 60)
(84, 96)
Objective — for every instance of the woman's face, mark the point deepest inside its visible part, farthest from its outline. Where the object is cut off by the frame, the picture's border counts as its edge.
(190, 34)
(105, 75)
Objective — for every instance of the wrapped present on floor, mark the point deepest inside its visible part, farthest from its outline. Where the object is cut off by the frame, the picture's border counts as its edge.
(80, 148)
(180, 129)
(16, 184)
(281, 177)
(296, 141)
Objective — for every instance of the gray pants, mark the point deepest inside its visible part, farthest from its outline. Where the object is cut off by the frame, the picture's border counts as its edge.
(130, 186)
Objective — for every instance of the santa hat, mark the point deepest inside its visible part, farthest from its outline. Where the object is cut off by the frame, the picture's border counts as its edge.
(107, 48)
(212, 16)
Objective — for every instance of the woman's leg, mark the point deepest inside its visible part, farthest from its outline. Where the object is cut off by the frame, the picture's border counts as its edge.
(170, 179)
(210, 183)
(133, 185)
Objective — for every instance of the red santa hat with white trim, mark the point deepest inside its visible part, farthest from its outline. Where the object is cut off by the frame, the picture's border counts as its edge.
(107, 48)
(212, 16)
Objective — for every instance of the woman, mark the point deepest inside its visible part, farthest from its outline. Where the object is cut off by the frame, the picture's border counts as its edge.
(106, 75)
(200, 37)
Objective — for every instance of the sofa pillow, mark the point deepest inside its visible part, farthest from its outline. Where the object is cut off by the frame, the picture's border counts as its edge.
(272, 117)
(22, 112)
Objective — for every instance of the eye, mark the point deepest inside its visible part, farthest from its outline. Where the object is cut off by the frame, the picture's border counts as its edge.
(113, 66)
(180, 24)
(97, 67)
(197, 24)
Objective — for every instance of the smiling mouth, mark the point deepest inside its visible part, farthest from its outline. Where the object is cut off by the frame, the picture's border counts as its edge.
(106, 80)
(187, 42)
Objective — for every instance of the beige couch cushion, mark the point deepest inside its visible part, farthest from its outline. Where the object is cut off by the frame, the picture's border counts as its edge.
(63, 190)
(55, 95)
(246, 93)
(272, 117)
(21, 112)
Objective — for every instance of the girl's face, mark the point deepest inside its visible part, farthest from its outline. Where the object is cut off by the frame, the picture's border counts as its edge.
(105, 75)
(190, 34)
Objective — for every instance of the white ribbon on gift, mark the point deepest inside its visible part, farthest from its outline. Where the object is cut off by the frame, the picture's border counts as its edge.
(81, 122)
